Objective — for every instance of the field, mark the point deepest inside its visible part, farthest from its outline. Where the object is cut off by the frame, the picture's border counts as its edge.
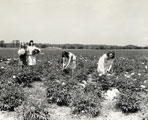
(48, 93)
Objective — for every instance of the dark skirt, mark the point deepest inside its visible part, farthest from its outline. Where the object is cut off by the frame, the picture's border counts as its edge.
(22, 60)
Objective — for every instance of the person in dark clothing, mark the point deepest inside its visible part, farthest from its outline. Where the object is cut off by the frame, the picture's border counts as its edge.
(22, 56)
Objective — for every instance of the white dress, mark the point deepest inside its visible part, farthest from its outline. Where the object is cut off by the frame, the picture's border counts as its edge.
(104, 65)
(31, 58)
(73, 61)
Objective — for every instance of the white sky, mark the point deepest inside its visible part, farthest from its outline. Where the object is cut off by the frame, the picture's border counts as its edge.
(115, 22)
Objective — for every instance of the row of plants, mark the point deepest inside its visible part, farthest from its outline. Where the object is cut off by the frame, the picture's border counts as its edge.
(82, 100)
(11, 94)
(128, 75)
(130, 79)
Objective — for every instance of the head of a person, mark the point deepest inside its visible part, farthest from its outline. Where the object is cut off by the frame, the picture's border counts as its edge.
(111, 55)
(22, 45)
(31, 43)
(65, 54)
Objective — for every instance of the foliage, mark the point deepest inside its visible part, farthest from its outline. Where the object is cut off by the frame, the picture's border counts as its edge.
(11, 96)
(129, 101)
(26, 78)
(130, 89)
(144, 106)
(87, 101)
(123, 65)
(60, 92)
(32, 111)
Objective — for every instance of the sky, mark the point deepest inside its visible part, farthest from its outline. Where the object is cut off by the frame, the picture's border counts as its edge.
(110, 22)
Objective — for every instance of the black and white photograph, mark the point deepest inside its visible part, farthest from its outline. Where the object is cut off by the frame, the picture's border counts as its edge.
(73, 59)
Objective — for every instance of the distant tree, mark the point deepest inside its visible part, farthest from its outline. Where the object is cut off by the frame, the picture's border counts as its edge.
(2, 43)
(44, 45)
(101, 47)
(15, 43)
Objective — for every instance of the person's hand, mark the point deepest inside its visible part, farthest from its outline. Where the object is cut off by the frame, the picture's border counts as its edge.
(108, 71)
(64, 67)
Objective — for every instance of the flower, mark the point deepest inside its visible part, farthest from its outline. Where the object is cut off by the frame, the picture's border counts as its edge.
(2, 67)
(133, 73)
(139, 74)
(127, 76)
(142, 86)
(84, 82)
(63, 83)
(13, 76)
(8, 59)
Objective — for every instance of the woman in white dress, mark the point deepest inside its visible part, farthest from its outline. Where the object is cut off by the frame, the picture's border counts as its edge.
(69, 60)
(32, 50)
(105, 63)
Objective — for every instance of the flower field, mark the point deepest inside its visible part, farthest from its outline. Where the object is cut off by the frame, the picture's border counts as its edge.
(32, 95)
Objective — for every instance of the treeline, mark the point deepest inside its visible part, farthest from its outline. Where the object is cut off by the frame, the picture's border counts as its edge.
(16, 43)
(81, 46)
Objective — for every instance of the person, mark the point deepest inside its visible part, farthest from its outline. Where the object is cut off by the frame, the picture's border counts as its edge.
(32, 51)
(69, 60)
(105, 63)
(22, 56)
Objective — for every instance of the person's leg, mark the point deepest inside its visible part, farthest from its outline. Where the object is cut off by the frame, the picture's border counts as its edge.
(19, 67)
(31, 63)
(30, 69)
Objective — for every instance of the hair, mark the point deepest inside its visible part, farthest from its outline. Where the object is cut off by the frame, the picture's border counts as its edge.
(30, 42)
(22, 45)
(113, 53)
(65, 54)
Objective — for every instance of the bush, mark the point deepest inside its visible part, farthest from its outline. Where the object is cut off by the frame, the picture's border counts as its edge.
(129, 101)
(123, 65)
(103, 81)
(60, 92)
(144, 106)
(32, 111)
(11, 96)
(26, 78)
(87, 101)
(80, 75)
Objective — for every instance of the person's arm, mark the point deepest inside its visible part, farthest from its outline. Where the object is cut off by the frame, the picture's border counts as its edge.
(103, 66)
(111, 64)
(63, 58)
(70, 56)
(38, 49)
(18, 52)
(21, 51)
(27, 50)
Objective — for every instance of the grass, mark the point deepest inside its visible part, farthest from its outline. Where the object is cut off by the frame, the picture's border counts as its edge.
(12, 52)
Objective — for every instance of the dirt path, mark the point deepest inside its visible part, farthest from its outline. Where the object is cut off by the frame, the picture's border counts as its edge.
(110, 113)
(37, 92)
(7, 116)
